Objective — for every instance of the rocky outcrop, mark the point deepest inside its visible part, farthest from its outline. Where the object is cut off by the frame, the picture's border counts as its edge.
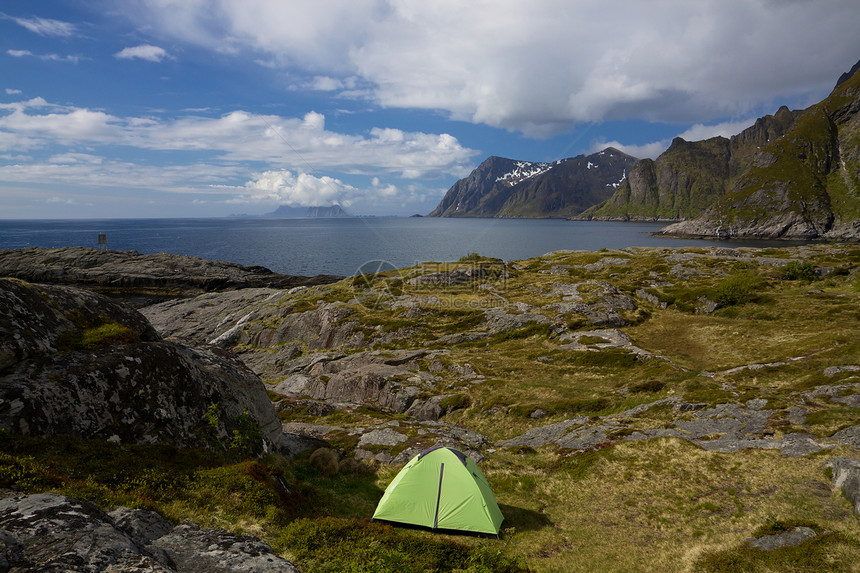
(502, 187)
(791, 538)
(129, 273)
(49, 532)
(846, 476)
(74, 362)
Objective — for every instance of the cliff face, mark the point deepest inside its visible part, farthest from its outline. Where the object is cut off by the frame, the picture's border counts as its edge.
(502, 187)
(689, 176)
(803, 185)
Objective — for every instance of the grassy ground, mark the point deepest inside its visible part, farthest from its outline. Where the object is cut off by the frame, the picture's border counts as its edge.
(657, 505)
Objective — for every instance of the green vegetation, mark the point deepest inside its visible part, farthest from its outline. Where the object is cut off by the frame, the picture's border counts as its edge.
(797, 271)
(662, 504)
(94, 333)
(316, 518)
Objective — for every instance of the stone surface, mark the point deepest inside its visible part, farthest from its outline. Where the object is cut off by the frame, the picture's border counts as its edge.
(846, 475)
(196, 550)
(128, 385)
(383, 437)
(125, 272)
(57, 533)
(49, 532)
(790, 538)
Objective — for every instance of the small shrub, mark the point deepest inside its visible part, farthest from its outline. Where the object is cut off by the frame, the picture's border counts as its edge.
(455, 402)
(648, 386)
(325, 460)
(736, 289)
(248, 435)
(797, 271)
(352, 466)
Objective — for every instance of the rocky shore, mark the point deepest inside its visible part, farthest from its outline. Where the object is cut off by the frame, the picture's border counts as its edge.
(141, 278)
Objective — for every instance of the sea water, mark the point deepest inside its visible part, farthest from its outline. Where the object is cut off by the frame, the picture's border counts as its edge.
(343, 246)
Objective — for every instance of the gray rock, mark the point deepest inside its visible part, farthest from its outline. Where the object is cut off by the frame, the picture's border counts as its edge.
(848, 436)
(428, 409)
(383, 437)
(129, 271)
(541, 436)
(450, 278)
(797, 415)
(846, 475)
(58, 533)
(707, 306)
(832, 371)
(142, 526)
(134, 388)
(792, 537)
(756, 403)
(798, 445)
(196, 550)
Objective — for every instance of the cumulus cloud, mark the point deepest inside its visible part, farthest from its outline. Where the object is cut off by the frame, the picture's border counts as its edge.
(301, 189)
(539, 66)
(142, 52)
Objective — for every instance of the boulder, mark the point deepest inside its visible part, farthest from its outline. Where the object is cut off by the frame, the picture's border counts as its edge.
(217, 551)
(57, 533)
(50, 532)
(846, 475)
(76, 363)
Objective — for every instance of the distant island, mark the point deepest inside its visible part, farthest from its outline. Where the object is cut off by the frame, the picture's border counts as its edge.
(334, 211)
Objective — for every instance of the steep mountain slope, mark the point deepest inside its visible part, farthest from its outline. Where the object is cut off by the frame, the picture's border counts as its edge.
(804, 185)
(502, 187)
(689, 176)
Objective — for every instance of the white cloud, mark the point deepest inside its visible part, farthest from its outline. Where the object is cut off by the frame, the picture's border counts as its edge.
(538, 66)
(697, 132)
(727, 129)
(46, 26)
(48, 57)
(293, 143)
(284, 188)
(142, 52)
(647, 150)
(10, 91)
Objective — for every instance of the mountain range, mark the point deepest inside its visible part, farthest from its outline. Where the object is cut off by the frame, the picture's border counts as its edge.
(501, 187)
(794, 175)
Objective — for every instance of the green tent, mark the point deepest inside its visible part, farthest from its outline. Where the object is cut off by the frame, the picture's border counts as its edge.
(441, 488)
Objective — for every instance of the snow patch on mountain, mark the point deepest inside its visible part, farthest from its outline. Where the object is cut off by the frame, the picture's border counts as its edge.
(524, 170)
(618, 184)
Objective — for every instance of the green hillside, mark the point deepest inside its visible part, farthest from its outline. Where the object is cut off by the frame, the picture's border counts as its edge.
(805, 184)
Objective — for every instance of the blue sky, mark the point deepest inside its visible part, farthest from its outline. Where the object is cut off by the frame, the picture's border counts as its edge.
(184, 108)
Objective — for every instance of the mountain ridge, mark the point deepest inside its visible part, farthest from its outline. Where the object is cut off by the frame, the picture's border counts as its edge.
(802, 185)
(510, 188)
(690, 175)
